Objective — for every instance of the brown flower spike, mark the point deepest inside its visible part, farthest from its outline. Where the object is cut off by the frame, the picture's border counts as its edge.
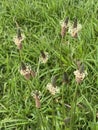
(26, 71)
(53, 89)
(64, 27)
(74, 29)
(43, 57)
(65, 78)
(18, 39)
(36, 96)
(80, 74)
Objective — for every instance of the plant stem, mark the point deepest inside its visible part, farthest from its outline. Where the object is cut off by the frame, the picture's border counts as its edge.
(73, 110)
(53, 115)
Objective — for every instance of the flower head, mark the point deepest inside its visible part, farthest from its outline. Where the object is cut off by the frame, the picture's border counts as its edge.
(36, 96)
(64, 26)
(80, 75)
(43, 57)
(74, 29)
(26, 71)
(65, 78)
(18, 39)
(53, 89)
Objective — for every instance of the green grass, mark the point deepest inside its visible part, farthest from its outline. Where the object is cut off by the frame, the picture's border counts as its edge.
(40, 22)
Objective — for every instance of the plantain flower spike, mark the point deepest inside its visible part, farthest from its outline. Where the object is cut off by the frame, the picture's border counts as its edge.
(43, 57)
(80, 74)
(51, 87)
(36, 96)
(75, 28)
(26, 71)
(64, 26)
(18, 39)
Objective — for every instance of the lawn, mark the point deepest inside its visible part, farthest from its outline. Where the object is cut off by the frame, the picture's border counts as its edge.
(48, 65)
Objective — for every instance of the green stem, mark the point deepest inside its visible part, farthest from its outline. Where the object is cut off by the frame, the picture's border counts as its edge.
(53, 115)
(61, 51)
(38, 68)
(73, 109)
(63, 104)
(20, 56)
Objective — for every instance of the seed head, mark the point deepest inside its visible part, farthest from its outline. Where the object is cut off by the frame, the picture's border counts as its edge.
(26, 71)
(64, 27)
(36, 96)
(79, 76)
(18, 39)
(51, 87)
(65, 78)
(43, 57)
(75, 28)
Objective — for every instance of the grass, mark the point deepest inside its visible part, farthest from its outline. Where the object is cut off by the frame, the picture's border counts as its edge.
(76, 106)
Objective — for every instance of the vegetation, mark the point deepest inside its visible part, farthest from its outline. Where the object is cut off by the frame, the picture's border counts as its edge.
(70, 104)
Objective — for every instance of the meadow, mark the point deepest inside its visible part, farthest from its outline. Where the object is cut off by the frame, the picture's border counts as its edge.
(48, 75)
